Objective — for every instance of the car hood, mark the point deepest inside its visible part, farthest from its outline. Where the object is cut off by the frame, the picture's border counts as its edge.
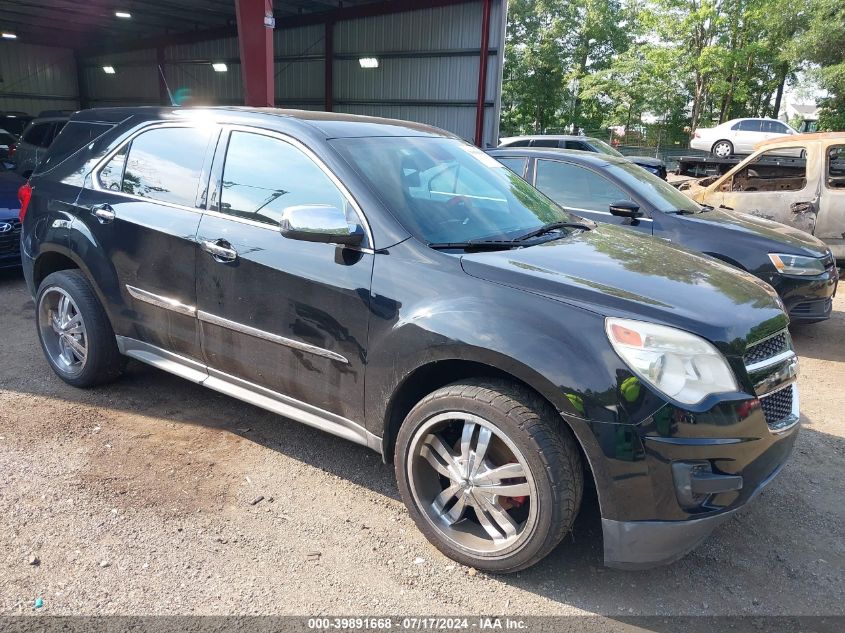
(646, 160)
(616, 272)
(10, 182)
(762, 232)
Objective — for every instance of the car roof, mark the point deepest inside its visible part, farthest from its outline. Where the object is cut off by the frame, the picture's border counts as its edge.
(48, 119)
(553, 153)
(558, 137)
(329, 124)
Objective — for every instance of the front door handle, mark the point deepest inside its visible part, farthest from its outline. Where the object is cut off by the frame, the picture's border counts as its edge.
(104, 213)
(220, 250)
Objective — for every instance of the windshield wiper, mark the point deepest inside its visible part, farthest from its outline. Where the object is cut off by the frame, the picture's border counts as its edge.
(479, 245)
(553, 226)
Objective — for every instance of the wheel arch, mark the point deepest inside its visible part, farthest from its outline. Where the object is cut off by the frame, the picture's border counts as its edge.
(433, 375)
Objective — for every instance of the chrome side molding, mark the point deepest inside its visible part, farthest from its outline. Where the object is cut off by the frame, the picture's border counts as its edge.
(272, 401)
(161, 301)
(207, 317)
(169, 303)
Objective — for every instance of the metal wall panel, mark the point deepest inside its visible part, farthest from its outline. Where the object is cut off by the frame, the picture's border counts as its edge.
(36, 78)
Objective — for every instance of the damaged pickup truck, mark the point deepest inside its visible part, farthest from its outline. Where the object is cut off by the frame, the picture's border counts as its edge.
(797, 180)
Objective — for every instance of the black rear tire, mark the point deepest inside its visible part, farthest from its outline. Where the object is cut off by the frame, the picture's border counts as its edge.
(103, 361)
(541, 442)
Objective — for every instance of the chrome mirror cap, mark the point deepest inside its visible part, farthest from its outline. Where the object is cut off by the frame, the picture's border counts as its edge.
(320, 223)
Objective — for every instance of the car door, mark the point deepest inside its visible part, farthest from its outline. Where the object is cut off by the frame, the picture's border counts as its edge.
(584, 192)
(749, 133)
(830, 225)
(141, 207)
(279, 314)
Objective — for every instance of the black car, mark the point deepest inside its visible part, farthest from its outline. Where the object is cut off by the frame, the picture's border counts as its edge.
(584, 144)
(10, 226)
(391, 284)
(606, 189)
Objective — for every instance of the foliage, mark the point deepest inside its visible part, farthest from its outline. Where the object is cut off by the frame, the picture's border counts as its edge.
(666, 66)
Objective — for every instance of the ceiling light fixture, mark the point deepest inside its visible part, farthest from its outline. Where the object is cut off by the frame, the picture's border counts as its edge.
(125, 15)
(368, 62)
(219, 67)
(109, 70)
(9, 36)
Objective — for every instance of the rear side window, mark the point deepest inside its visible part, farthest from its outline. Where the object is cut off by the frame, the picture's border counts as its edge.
(111, 176)
(578, 145)
(521, 143)
(545, 142)
(576, 187)
(752, 125)
(166, 164)
(74, 136)
(38, 134)
(836, 167)
(264, 176)
(516, 165)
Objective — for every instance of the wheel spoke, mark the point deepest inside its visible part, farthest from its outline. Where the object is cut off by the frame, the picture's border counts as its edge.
(72, 323)
(441, 501)
(456, 512)
(466, 447)
(444, 452)
(55, 323)
(434, 460)
(505, 490)
(495, 521)
(481, 445)
(513, 470)
(63, 310)
(78, 348)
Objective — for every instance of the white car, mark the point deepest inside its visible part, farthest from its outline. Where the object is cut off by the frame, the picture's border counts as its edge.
(737, 136)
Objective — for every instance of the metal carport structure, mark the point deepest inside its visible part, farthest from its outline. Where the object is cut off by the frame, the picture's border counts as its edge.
(429, 56)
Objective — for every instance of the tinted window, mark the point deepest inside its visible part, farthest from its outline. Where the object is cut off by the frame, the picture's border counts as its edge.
(38, 134)
(516, 165)
(521, 143)
(111, 176)
(577, 187)
(578, 145)
(545, 142)
(752, 125)
(75, 135)
(774, 127)
(836, 167)
(264, 176)
(166, 164)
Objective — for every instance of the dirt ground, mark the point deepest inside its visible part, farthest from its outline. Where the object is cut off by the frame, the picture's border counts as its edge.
(136, 499)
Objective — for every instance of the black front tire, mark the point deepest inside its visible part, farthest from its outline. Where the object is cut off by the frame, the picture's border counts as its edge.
(545, 445)
(103, 362)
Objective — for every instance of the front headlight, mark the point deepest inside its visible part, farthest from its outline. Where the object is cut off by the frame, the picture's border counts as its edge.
(680, 365)
(797, 264)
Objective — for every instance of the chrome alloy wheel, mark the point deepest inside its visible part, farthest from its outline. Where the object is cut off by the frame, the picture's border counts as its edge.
(472, 483)
(62, 330)
(722, 149)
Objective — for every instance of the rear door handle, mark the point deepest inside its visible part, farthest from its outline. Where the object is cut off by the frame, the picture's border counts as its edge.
(103, 212)
(219, 249)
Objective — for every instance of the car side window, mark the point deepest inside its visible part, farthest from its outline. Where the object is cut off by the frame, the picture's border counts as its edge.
(111, 175)
(264, 176)
(516, 165)
(522, 143)
(835, 177)
(577, 145)
(751, 125)
(165, 164)
(545, 142)
(774, 127)
(576, 187)
(37, 134)
(771, 171)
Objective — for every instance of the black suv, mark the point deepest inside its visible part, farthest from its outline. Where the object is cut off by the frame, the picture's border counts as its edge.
(393, 285)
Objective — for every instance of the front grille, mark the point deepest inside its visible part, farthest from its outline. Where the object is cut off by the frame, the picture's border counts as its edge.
(766, 349)
(10, 241)
(777, 406)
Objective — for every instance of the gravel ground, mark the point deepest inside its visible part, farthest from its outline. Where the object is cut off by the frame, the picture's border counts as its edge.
(137, 498)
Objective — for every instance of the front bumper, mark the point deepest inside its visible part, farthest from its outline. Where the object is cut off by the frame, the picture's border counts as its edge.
(807, 299)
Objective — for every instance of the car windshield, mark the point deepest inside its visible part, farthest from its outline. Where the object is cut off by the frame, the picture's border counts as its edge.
(446, 191)
(660, 194)
(604, 148)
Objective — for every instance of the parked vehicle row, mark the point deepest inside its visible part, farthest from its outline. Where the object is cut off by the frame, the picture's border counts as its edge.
(583, 143)
(606, 189)
(398, 287)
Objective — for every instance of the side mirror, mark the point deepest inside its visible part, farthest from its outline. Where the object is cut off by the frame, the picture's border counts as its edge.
(625, 209)
(320, 223)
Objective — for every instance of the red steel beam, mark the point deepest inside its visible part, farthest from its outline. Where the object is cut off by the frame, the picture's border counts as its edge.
(256, 46)
(483, 60)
